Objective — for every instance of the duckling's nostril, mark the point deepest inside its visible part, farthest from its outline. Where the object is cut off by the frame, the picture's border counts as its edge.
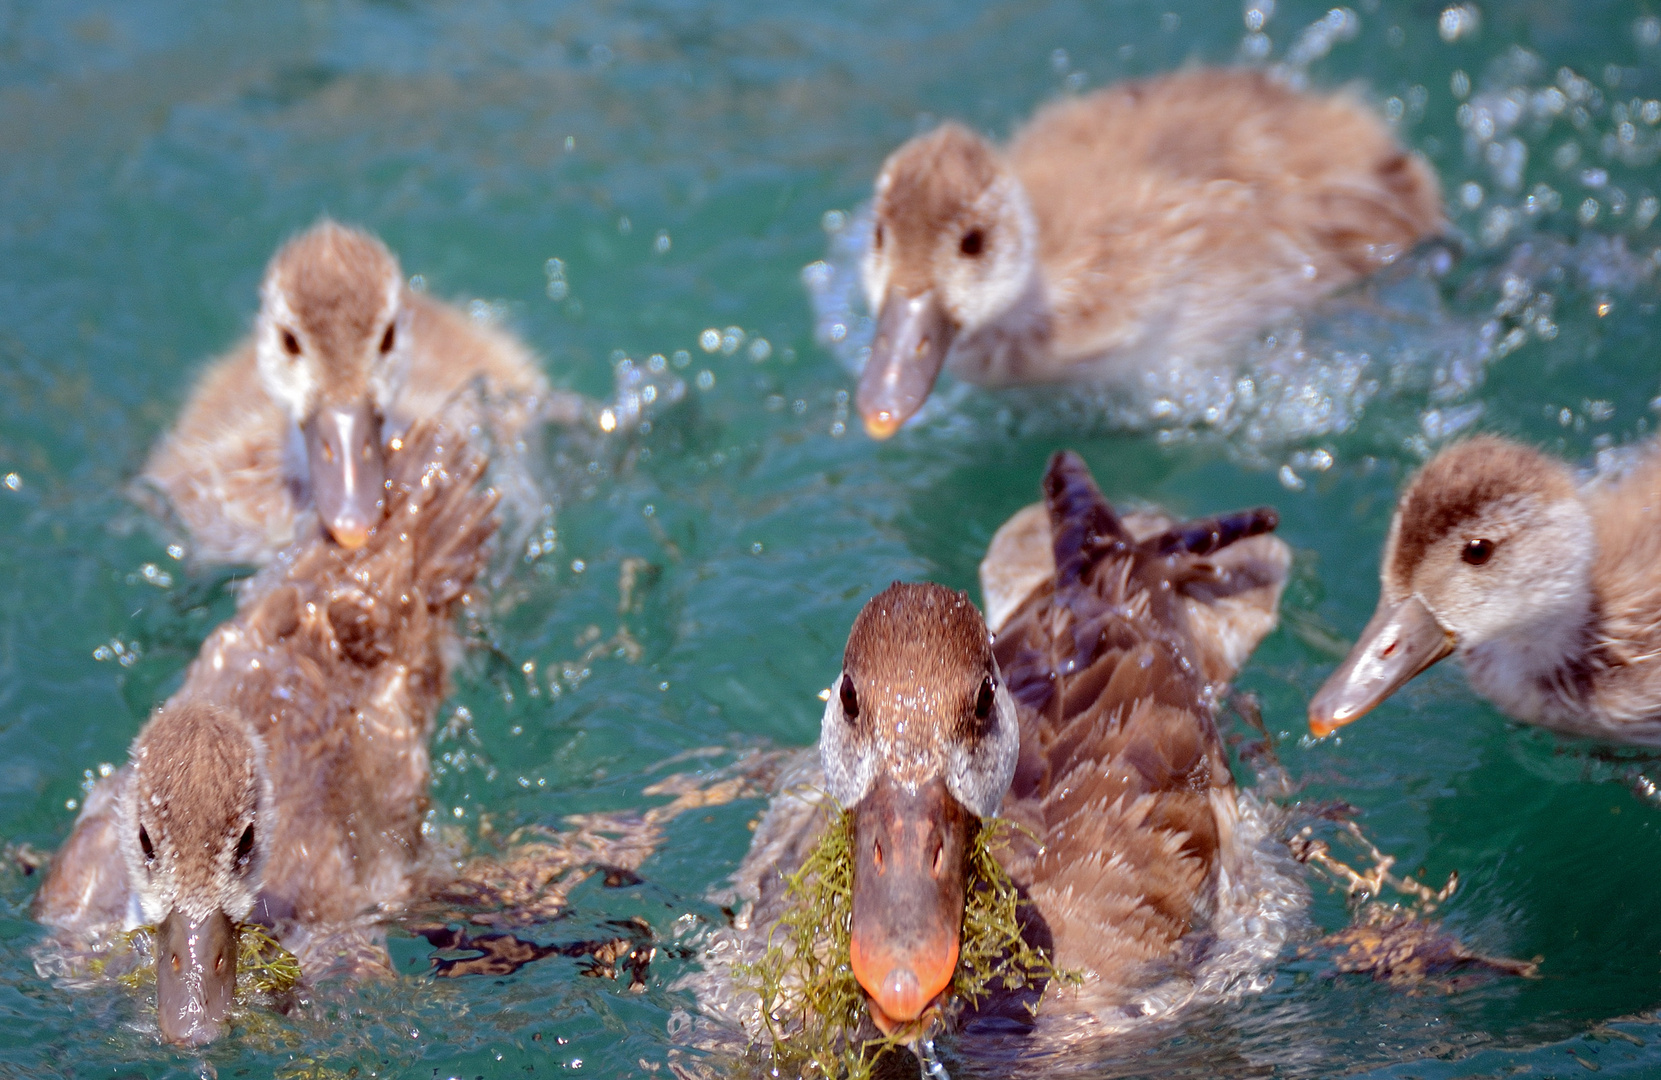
(939, 859)
(876, 855)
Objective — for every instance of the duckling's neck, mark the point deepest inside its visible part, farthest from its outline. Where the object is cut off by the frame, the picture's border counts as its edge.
(1008, 347)
(1541, 672)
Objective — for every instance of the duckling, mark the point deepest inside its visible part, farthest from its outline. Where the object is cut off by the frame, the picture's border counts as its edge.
(1089, 722)
(1143, 227)
(1549, 592)
(286, 781)
(344, 355)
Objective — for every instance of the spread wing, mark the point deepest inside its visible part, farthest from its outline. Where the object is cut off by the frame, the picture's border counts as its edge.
(339, 659)
(1122, 774)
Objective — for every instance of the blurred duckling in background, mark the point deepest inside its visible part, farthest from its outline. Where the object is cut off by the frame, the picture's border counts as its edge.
(1089, 722)
(286, 781)
(344, 356)
(1549, 592)
(1138, 229)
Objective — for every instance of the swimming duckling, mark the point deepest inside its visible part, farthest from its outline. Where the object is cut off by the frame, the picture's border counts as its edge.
(286, 781)
(1089, 721)
(1140, 228)
(1550, 593)
(344, 356)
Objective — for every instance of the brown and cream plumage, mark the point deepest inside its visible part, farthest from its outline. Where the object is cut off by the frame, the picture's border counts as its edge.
(285, 782)
(1140, 229)
(1088, 721)
(1549, 592)
(344, 355)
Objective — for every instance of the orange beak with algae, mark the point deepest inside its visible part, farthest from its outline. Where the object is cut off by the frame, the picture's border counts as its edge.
(910, 874)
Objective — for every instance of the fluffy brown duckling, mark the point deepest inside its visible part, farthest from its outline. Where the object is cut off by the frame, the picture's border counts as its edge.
(1549, 592)
(285, 782)
(344, 356)
(1144, 227)
(1088, 721)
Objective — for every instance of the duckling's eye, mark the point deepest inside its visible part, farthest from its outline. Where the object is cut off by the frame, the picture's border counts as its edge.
(291, 344)
(1477, 552)
(245, 847)
(388, 339)
(850, 703)
(144, 842)
(972, 243)
(983, 701)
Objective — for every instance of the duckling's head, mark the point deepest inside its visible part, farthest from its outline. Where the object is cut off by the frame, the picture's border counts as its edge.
(953, 246)
(919, 739)
(194, 819)
(1490, 544)
(331, 340)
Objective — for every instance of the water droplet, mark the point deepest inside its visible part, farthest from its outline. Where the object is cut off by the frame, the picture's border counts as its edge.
(1459, 21)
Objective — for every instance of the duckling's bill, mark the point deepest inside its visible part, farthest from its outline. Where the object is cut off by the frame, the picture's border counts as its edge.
(195, 976)
(347, 469)
(910, 867)
(914, 334)
(1402, 639)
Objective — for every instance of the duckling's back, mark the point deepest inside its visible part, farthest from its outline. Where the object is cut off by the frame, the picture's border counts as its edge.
(1123, 779)
(1220, 196)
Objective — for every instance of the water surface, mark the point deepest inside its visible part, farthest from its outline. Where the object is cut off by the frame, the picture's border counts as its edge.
(680, 161)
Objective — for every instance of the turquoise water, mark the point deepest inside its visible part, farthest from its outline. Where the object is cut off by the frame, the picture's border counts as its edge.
(680, 161)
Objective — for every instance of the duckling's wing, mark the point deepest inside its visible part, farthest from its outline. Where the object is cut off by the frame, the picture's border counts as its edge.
(1229, 572)
(1122, 770)
(1230, 576)
(340, 660)
(85, 892)
(222, 474)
